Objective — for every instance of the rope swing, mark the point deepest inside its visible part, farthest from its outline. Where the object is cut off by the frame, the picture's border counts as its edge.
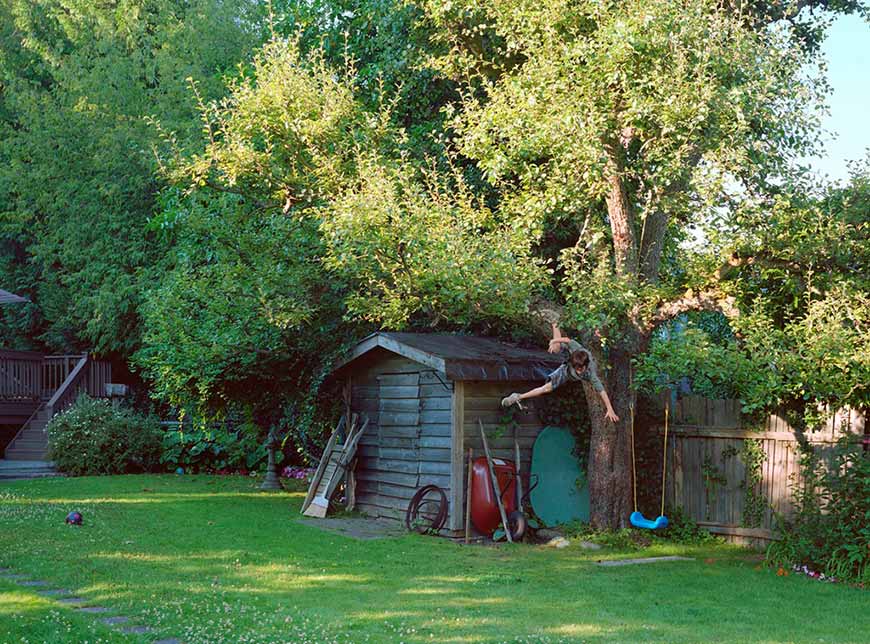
(637, 519)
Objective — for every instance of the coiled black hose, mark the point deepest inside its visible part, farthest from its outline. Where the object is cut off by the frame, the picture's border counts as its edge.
(419, 518)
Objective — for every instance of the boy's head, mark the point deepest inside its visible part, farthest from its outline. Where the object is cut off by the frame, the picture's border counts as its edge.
(579, 361)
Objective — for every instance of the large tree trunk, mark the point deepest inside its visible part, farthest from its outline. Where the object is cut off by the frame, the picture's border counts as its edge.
(610, 472)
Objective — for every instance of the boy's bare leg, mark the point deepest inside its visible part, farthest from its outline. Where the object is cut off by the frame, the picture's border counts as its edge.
(515, 398)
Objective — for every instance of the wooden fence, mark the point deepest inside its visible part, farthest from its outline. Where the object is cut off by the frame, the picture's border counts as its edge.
(732, 480)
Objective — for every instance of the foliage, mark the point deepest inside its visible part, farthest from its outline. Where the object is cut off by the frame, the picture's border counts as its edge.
(213, 449)
(754, 504)
(712, 477)
(683, 529)
(77, 175)
(830, 530)
(420, 248)
(673, 96)
(223, 324)
(798, 269)
(714, 370)
(566, 408)
(94, 437)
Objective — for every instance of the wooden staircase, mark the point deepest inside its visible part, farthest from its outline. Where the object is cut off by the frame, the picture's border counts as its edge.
(31, 443)
(50, 384)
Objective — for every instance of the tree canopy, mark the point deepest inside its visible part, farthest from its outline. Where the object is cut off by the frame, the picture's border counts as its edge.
(229, 194)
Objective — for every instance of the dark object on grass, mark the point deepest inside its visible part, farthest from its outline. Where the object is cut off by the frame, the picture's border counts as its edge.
(74, 518)
(427, 510)
(518, 525)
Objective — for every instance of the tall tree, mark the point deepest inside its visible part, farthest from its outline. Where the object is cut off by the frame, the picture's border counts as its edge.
(626, 123)
(77, 173)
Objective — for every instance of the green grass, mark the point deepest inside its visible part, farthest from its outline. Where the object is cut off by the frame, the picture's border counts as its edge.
(210, 559)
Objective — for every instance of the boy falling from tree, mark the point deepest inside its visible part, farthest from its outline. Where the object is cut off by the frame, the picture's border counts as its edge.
(579, 365)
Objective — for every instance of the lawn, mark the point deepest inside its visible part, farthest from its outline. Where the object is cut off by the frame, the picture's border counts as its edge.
(211, 559)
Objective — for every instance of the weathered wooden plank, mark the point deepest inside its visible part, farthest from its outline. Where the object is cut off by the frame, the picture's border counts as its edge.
(435, 430)
(400, 392)
(403, 492)
(400, 432)
(388, 465)
(435, 467)
(390, 453)
(436, 416)
(718, 528)
(441, 480)
(435, 391)
(398, 419)
(434, 454)
(391, 441)
(399, 379)
(441, 442)
(398, 405)
(435, 403)
(478, 389)
(677, 476)
(376, 476)
(735, 432)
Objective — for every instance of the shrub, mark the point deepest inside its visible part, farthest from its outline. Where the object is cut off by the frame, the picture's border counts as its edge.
(213, 448)
(93, 437)
(830, 530)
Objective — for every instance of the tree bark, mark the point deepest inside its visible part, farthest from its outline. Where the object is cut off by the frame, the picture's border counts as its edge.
(620, 211)
(610, 475)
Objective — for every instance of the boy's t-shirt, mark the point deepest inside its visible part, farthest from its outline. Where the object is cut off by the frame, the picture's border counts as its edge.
(590, 374)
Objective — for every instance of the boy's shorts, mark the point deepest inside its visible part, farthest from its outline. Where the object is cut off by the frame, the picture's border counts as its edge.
(559, 377)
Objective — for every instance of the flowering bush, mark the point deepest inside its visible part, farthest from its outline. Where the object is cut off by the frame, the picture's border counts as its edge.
(93, 437)
(830, 531)
(295, 472)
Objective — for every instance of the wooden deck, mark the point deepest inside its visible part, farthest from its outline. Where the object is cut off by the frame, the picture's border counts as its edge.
(34, 387)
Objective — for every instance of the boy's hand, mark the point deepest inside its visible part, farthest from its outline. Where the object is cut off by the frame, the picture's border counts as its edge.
(555, 346)
(611, 416)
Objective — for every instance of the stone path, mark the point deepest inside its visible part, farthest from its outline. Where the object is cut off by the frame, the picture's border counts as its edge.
(644, 560)
(82, 605)
(358, 527)
(20, 470)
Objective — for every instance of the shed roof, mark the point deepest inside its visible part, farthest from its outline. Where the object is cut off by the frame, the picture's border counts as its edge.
(10, 298)
(462, 357)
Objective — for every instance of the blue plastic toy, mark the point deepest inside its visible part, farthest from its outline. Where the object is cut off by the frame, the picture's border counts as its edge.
(639, 521)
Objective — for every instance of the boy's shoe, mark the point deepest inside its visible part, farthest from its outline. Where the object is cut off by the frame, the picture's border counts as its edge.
(513, 399)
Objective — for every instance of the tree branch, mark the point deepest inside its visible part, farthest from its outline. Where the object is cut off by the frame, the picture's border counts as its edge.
(691, 301)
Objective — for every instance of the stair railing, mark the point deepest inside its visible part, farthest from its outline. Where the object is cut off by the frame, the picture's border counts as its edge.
(20, 375)
(66, 394)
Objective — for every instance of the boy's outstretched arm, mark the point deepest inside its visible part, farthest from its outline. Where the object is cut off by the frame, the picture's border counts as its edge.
(609, 414)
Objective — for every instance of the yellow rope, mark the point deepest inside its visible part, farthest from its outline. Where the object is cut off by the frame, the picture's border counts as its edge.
(633, 468)
(664, 456)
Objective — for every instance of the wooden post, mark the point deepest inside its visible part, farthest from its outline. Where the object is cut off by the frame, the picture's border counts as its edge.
(495, 485)
(519, 481)
(468, 499)
(457, 454)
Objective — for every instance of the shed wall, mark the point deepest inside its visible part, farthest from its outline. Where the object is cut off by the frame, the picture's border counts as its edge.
(407, 442)
(482, 400)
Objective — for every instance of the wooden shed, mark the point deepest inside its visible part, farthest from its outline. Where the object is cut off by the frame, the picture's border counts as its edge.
(423, 394)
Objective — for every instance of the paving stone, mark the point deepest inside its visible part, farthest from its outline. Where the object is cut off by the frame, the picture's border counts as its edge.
(2, 569)
(35, 582)
(643, 560)
(111, 621)
(93, 609)
(171, 640)
(13, 576)
(54, 592)
(73, 600)
(136, 630)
